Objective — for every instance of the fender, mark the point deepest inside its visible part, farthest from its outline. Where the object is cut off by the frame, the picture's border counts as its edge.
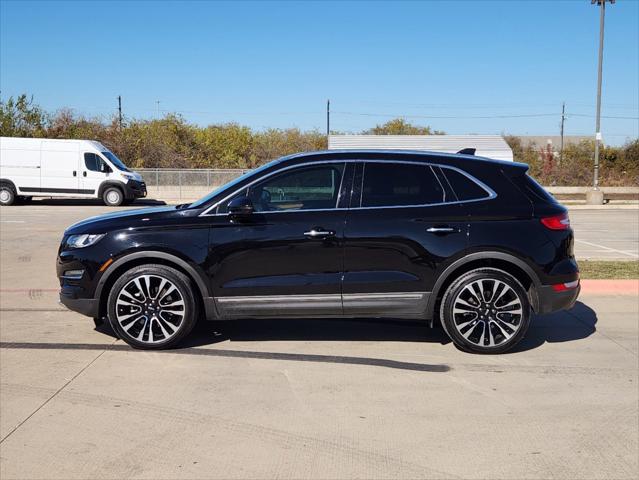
(485, 255)
(111, 183)
(209, 304)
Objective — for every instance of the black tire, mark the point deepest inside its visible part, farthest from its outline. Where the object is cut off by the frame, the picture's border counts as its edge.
(113, 197)
(477, 300)
(152, 323)
(7, 194)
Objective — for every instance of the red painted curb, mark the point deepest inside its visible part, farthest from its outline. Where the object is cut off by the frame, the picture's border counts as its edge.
(609, 287)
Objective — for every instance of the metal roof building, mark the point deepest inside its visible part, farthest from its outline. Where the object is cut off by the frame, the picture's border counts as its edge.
(491, 146)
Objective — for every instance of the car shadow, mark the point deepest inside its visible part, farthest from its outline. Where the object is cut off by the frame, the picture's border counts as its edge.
(86, 202)
(565, 326)
(263, 330)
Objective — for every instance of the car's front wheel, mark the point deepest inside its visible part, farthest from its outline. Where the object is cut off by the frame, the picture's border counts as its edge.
(152, 307)
(113, 197)
(485, 311)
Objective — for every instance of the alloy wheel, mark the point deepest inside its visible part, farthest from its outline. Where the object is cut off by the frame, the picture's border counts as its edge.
(487, 312)
(150, 309)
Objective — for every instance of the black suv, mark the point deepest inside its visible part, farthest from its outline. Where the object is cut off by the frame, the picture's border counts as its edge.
(474, 243)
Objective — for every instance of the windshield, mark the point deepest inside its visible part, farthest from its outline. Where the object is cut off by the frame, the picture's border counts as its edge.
(117, 163)
(207, 198)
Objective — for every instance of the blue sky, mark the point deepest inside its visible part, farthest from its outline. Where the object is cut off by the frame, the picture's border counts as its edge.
(274, 64)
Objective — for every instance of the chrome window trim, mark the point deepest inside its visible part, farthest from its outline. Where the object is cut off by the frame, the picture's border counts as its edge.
(491, 193)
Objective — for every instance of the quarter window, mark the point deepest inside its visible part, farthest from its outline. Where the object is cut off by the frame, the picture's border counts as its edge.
(93, 162)
(465, 188)
(400, 184)
(300, 189)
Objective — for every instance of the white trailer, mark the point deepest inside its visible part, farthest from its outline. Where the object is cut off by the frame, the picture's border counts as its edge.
(42, 167)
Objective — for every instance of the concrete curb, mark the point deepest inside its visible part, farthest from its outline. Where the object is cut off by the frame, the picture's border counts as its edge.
(609, 287)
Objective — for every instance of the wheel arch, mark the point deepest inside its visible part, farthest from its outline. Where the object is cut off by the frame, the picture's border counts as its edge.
(143, 258)
(111, 183)
(6, 181)
(500, 260)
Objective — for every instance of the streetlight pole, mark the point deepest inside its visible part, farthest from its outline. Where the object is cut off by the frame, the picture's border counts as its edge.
(595, 196)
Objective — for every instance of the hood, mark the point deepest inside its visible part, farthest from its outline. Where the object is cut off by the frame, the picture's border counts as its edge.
(127, 218)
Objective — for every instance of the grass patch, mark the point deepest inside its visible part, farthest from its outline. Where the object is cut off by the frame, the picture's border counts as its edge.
(608, 269)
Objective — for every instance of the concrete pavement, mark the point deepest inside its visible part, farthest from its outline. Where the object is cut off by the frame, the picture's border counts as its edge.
(305, 399)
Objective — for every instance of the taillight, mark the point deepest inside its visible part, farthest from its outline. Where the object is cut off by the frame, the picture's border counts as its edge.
(562, 287)
(557, 222)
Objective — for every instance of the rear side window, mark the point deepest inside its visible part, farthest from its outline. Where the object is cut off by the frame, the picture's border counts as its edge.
(399, 184)
(465, 188)
(533, 188)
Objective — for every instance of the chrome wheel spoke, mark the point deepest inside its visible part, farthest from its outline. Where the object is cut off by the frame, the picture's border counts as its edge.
(496, 316)
(146, 318)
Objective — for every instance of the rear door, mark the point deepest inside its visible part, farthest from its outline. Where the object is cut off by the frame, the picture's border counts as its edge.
(401, 231)
(60, 163)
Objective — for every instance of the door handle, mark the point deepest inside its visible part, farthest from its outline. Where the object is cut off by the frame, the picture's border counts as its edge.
(84, 174)
(319, 232)
(75, 174)
(442, 230)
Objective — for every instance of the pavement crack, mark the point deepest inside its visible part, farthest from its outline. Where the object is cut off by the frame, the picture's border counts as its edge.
(83, 369)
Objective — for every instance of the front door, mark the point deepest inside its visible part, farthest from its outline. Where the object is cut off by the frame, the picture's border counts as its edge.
(286, 258)
(94, 172)
(401, 229)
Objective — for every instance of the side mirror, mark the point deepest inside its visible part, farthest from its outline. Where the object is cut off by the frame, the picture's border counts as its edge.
(240, 206)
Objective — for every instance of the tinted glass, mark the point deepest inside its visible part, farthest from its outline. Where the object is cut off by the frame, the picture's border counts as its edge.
(117, 163)
(300, 189)
(464, 187)
(399, 184)
(92, 162)
(537, 190)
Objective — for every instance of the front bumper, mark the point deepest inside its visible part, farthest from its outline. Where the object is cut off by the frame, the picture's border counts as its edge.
(85, 306)
(550, 300)
(134, 189)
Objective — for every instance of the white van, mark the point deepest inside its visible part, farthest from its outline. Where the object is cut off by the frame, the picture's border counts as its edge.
(42, 167)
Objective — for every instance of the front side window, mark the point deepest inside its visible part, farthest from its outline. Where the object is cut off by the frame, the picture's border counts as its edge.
(93, 162)
(304, 188)
(400, 184)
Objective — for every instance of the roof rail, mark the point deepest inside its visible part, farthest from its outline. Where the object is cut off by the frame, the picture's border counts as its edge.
(468, 151)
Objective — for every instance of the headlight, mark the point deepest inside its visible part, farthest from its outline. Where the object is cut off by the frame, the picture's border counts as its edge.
(128, 176)
(85, 240)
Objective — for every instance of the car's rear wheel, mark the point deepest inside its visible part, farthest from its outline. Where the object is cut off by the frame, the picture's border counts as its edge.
(485, 311)
(7, 194)
(152, 307)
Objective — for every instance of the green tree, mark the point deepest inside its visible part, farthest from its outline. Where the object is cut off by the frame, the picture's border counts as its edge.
(399, 126)
(20, 117)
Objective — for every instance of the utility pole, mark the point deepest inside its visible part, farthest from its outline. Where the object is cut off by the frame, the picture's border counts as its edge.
(563, 118)
(120, 111)
(595, 196)
(157, 102)
(328, 118)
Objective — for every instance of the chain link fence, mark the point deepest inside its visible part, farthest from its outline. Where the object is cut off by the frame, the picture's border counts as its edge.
(175, 185)
(185, 184)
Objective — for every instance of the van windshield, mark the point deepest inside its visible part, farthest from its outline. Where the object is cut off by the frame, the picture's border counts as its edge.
(117, 163)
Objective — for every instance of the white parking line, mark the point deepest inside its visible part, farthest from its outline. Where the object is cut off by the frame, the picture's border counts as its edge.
(12, 221)
(634, 255)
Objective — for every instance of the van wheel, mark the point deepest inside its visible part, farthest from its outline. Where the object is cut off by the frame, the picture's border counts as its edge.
(485, 311)
(7, 195)
(152, 307)
(113, 197)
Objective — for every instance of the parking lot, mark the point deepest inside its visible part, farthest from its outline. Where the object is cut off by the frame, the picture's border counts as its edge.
(312, 398)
